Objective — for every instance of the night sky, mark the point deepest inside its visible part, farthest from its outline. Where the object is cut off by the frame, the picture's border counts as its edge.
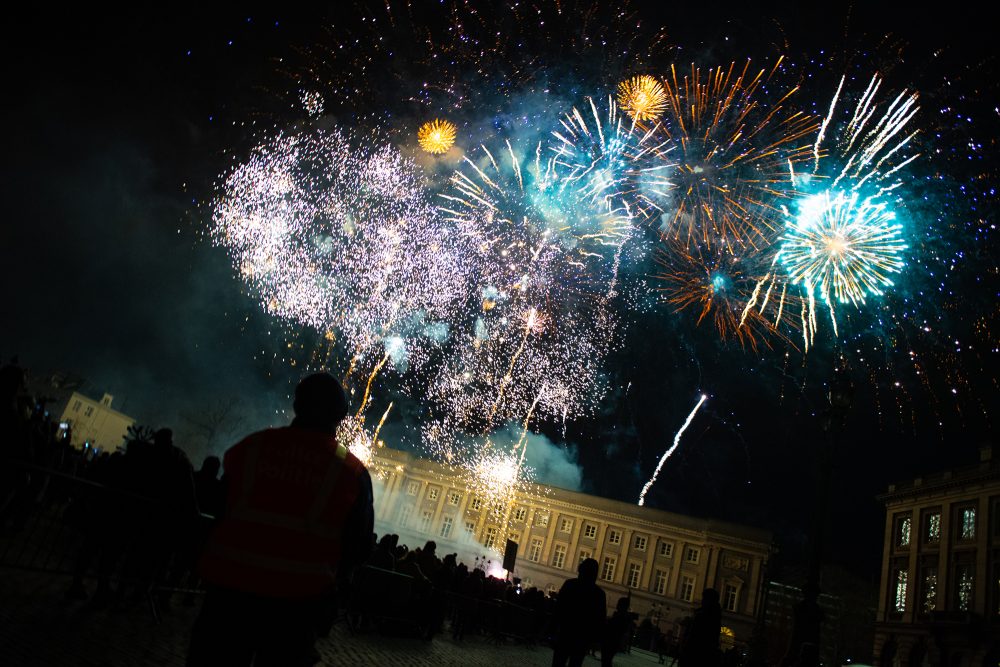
(117, 129)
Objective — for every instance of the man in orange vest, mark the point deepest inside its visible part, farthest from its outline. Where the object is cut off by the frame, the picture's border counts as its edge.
(298, 517)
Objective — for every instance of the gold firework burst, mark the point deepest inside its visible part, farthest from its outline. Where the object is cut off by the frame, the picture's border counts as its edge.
(437, 136)
(642, 97)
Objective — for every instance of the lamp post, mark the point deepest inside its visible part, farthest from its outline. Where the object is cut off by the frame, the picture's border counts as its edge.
(806, 641)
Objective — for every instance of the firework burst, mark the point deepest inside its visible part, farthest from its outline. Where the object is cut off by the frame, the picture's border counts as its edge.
(842, 242)
(733, 148)
(342, 239)
(642, 98)
(843, 247)
(437, 136)
(725, 289)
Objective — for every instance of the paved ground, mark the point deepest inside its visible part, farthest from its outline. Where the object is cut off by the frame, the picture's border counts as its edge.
(39, 628)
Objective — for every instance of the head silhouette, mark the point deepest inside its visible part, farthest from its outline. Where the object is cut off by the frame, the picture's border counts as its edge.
(211, 466)
(163, 438)
(587, 570)
(320, 402)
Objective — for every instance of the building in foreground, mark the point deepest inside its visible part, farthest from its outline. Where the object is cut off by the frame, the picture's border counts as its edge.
(663, 560)
(94, 423)
(939, 602)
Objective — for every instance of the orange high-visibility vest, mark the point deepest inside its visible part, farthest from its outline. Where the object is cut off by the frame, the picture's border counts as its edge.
(288, 497)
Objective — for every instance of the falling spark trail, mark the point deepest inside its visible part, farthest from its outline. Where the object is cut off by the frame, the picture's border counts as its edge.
(371, 378)
(669, 452)
(380, 422)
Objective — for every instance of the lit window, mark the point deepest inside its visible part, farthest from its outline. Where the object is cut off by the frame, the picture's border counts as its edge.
(929, 585)
(967, 523)
(934, 527)
(639, 543)
(425, 521)
(899, 596)
(565, 525)
(446, 525)
(730, 597)
(535, 551)
(687, 588)
(476, 504)
(432, 493)
(692, 555)
(903, 532)
(660, 585)
(470, 527)
(590, 531)
(614, 536)
(584, 555)
(454, 498)
(412, 488)
(963, 581)
(404, 515)
(542, 519)
(666, 549)
(608, 569)
(520, 513)
(559, 556)
(634, 575)
(491, 537)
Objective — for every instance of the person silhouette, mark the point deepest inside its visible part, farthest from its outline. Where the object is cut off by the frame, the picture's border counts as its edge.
(700, 645)
(298, 517)
(617, 632)
(579, 617)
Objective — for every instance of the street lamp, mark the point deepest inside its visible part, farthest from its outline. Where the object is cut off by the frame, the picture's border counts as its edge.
(805, 646)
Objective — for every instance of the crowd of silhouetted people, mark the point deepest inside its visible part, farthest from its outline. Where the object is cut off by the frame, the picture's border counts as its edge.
(141, 512)
(138, 518)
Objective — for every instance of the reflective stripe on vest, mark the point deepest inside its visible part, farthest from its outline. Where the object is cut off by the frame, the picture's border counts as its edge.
(270, 562)
(273, 545)
(310, 523)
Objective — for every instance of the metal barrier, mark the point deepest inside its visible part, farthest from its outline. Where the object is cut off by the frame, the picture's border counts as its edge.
(59, 523)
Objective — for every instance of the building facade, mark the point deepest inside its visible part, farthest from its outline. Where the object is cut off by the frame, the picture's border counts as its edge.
(939, 602)
(94, 423)
(662, 560)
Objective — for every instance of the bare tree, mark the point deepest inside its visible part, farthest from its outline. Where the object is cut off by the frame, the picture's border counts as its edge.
(215, 424)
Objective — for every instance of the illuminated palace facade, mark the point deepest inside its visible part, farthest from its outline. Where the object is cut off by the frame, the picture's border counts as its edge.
(663, 560)
(939, 602)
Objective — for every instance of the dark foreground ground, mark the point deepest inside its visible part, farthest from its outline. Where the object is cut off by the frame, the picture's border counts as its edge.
(38, 627)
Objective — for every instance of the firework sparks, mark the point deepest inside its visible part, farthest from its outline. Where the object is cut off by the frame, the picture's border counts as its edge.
(844, 243)
(667, 454)
(732, 155)
(344, 240)
(642, 98)
(724, 288)
(536, 335)
(605, 173)
(437, 136)
(842, 246)
(352, 434)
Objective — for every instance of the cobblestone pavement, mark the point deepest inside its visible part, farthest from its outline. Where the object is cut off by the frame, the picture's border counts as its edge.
(38, 627)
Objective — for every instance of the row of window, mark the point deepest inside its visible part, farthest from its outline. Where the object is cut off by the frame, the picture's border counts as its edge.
(666, 549)
(607, 573)
(87, 413)
(927, 593)
(965, 527)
